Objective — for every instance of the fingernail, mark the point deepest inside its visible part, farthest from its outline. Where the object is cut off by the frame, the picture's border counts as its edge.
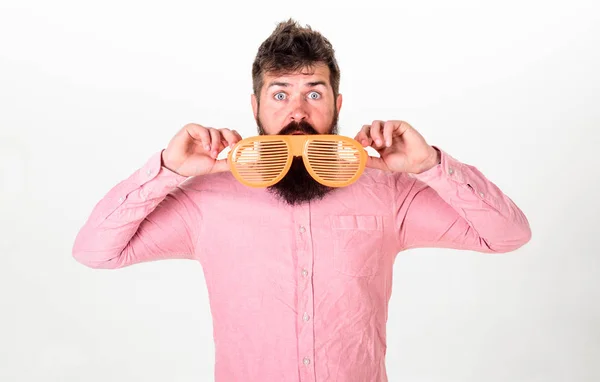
(378, 142)
(206, 147)
(388, 143)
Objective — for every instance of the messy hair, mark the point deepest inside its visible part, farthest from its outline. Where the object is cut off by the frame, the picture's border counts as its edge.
(291, 48)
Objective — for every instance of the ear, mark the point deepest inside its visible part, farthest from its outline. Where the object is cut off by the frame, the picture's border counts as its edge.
(254, 102)
(338, 102)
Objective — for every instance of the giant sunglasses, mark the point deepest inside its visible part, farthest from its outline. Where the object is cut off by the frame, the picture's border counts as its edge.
(332, 160)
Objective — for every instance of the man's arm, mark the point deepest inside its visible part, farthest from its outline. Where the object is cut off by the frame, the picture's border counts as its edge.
(143, 218)
(453, 205)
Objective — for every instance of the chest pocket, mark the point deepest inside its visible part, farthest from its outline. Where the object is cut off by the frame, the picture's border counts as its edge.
(357, 244)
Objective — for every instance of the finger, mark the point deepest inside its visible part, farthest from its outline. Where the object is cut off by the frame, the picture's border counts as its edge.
(199, 133)
(215, 142)
(402, 128)
(223, 144)
(221, 165)
(239, 137)
(388, 131)
(363, 135)
(229, 137)
(376, 133)
(376, 162)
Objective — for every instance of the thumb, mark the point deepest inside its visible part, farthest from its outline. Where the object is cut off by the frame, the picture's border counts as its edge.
(221, 165)
(376, 162)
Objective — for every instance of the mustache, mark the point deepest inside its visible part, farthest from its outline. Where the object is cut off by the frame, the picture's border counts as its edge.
(294, 126)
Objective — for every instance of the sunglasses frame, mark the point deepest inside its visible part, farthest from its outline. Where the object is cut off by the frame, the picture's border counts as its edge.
(297, 145)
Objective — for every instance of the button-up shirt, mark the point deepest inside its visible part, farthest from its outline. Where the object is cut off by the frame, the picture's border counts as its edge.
(298, 293)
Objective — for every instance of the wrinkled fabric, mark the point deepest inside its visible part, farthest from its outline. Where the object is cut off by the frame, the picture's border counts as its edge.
(298, 293)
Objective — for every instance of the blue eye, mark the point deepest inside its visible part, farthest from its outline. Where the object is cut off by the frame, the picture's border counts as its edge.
(280, 96)
(314, 95)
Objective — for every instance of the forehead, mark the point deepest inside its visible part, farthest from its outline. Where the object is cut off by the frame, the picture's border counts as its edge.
(317, 72)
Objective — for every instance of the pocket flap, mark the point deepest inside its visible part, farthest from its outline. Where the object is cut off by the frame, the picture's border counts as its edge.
(363, 222)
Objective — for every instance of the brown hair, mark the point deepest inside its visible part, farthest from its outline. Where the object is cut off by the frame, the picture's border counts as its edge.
(291, 48)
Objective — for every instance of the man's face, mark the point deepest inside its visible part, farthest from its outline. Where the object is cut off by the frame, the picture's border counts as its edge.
(305, 96)
(298, 103)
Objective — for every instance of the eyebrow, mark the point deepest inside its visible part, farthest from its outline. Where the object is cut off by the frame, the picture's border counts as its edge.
(308, 84)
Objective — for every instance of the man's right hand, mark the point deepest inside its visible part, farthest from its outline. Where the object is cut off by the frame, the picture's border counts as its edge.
(194, 150)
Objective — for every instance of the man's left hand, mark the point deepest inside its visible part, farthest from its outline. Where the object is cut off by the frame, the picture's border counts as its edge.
(401, 148)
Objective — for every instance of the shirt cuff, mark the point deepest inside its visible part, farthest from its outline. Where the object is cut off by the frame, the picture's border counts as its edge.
(446, 167)
(451, 172)
(155, 179)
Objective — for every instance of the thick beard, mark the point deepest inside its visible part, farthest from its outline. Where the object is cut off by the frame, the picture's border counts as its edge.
(298, 186)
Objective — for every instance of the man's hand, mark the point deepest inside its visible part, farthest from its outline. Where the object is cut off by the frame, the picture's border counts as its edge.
(400, 146)
(194, 149)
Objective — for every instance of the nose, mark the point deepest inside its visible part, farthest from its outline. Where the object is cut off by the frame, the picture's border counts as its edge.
(299, 110)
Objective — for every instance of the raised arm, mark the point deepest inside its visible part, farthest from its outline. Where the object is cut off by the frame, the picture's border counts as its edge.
(453, 205)
(440, 201)
(144, 217)
(149, 215)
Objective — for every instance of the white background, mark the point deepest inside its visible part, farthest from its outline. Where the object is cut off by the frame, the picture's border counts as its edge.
(89, 91)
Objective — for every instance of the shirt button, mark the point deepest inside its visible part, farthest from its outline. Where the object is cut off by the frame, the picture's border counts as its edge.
(306, 360)
(306, 317)
(148, 172)
(450, 171)
(121, 199)
(481, 194)
(302, 229)
(304, 272)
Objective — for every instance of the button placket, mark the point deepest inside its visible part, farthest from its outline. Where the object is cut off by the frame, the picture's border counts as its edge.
(305, 292)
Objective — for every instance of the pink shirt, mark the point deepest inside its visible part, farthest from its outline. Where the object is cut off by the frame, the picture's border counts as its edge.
(298, 293)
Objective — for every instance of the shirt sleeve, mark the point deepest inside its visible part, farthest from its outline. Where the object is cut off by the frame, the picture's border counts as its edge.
(146, 217)
(453, 205)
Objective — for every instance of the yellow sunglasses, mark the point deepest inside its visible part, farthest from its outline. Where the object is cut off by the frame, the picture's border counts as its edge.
(332, 160)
